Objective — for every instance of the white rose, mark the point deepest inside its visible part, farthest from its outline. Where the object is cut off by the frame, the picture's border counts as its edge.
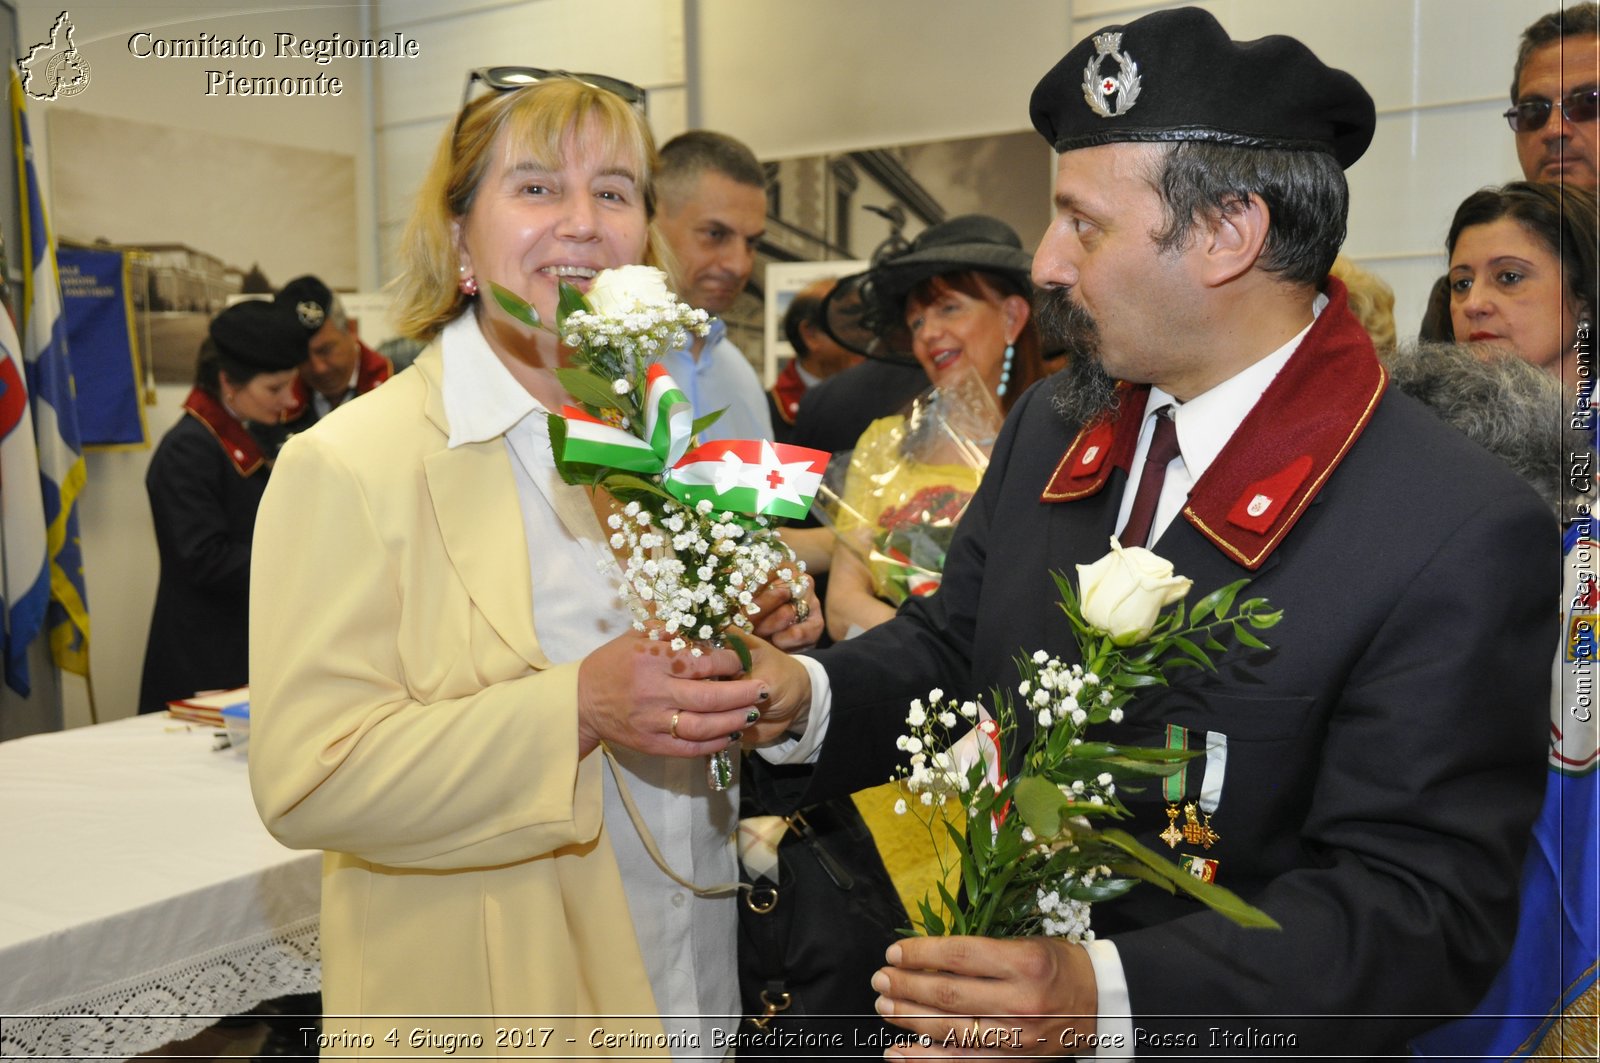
(618, 292)
(1124, 592)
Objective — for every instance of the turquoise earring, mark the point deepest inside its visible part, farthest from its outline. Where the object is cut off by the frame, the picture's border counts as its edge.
(1005, 370)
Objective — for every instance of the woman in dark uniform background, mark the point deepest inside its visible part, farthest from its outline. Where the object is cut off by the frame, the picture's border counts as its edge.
(205, 482)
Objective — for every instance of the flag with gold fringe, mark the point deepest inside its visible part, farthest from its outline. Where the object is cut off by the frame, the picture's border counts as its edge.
(55, 415)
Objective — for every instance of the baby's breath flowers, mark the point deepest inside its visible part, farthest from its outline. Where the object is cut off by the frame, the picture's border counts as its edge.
(693, 573)
(692, 568)
(1033, 856)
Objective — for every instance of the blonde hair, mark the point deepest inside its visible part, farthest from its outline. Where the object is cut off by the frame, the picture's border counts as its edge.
(538, 122)
(1371, 301)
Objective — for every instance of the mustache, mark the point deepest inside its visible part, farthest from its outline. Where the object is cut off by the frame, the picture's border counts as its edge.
(1063, 324)
(1083, 391)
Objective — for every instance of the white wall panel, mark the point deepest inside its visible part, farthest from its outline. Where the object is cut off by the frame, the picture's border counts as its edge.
(833, 75)
(1469, 46)
(403, 155)
(643, 43)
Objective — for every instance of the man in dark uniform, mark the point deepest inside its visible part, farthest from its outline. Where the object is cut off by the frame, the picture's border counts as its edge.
(1371, 778)
(338, 365)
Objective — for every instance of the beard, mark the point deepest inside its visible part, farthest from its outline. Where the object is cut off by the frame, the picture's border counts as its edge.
(1083, 391)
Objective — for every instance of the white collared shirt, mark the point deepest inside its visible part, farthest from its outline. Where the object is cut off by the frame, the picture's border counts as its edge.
(688, 943)
(721, 378)
(1205, 424)
(323, 405)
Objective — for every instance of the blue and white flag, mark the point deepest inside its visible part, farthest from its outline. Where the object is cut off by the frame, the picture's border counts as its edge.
(55, 414)
(25, 585)
(1542, 1004)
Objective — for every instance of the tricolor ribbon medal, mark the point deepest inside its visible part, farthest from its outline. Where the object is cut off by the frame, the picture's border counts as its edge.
(749, 476)
(1192, 830)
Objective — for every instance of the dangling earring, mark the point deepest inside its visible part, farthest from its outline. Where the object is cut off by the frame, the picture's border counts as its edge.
(468, 283)
(1005, 370)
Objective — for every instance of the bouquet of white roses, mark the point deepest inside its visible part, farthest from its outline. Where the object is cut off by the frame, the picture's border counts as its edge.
(1032, 854)
(694, 534)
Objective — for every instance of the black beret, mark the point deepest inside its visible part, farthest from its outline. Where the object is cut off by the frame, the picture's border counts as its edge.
(1175, 75)
(866, 313)
(260, 336)
(308, 300)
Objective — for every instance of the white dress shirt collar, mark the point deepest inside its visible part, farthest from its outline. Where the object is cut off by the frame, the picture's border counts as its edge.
(482, 400)
(1206, 422)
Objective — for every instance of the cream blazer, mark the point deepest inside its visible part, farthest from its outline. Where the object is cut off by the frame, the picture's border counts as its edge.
(404, 719)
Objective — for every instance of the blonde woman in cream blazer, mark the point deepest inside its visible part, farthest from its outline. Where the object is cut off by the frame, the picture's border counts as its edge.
(483, 891)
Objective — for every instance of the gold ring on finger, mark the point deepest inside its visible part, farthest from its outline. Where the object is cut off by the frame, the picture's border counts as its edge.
(673, 729)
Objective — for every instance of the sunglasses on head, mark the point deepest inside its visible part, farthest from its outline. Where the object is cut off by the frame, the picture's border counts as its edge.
(1532, 114)
(511, 78)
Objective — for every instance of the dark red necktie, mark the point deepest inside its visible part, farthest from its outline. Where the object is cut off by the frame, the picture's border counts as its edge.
(1163, 448)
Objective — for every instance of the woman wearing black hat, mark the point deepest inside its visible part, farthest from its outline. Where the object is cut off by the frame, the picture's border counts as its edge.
(205, 482)
(958, 303)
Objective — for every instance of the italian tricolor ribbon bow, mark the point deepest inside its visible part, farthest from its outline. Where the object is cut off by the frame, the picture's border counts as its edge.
(751, 476)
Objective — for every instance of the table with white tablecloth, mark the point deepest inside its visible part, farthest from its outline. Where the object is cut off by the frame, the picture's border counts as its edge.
(141, 897)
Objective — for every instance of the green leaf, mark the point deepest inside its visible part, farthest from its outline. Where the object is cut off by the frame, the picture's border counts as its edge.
(932, 925)
(1118, 766)
(571, 301)
(579, 475)
(1194, 652)
(738, 646)
(1133, 680)
(1104, 889)
(1135, 870)
(952, 909)
(558, 435)
(1105, 750)
(1205, 606)
(590, 388)
(1215, 897)
(513, 304)
(1244, 636)
(1069, 595)
(702, 423)
(1041, 804)
(622, 484)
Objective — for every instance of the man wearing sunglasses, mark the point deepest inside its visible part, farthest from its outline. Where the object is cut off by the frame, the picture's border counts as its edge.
(1555, 90)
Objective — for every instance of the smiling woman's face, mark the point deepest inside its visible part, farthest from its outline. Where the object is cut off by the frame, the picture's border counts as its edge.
(951, 329)
(532, 226)
(1506, 289)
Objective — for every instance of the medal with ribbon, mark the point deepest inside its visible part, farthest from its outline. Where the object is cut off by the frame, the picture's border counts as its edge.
(1192, 831)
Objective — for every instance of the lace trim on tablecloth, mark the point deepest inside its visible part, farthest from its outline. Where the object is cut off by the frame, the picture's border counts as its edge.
(143, 1013)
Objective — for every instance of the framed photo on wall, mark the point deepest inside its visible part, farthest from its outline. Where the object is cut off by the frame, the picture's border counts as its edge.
(784, 279)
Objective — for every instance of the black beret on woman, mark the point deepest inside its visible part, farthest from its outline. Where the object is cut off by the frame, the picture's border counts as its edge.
(205, 482)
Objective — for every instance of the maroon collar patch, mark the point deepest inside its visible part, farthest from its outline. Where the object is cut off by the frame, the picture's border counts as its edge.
(1277, 461)
(788, 389)
(232, 436)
